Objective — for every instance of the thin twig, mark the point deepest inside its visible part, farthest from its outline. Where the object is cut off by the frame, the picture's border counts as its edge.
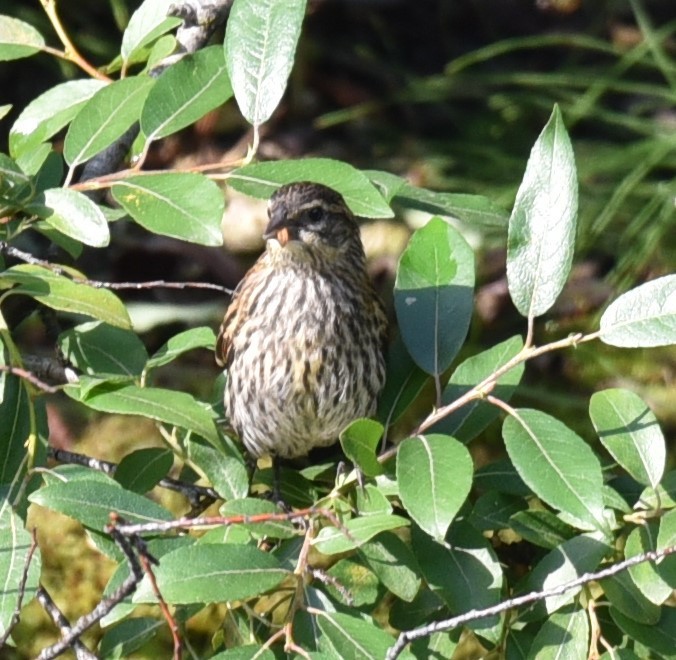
(196, 495)
(86, 621)
(473, 615)
(57, 616)
(71, 53)
(29, 377)
(487, 385)
(28, 258)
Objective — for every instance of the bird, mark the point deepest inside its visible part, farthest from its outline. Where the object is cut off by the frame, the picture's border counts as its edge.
(303, 339)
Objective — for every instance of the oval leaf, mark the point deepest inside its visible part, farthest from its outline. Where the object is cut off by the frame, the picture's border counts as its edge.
(147, 23)
(434, 294)
(435, 475)
(96, 348)
(143, 469)
(212, 573)
(187, 340)
(565, 634)
(541, 233)
(629, 430)
(352, 637)
(49, 113)
(644, 316)
(185, 92)
(360, 442)
(15, 543)
(181, 205)
(18, 39)
(557, 465)
(168, 406)
(105, 117)
(260, 43)
(262, 179)
(61, 293)
(74, 215)
(92, 501)
(333, 540)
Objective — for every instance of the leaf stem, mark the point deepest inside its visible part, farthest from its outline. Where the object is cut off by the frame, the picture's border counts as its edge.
(70, 53)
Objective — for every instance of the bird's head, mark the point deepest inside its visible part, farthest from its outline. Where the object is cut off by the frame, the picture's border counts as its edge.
(311, 217)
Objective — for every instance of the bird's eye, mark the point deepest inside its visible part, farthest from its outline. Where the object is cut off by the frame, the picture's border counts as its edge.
(315, 214)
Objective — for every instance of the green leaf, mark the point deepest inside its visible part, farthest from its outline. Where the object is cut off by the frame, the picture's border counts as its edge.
(128, 636)
(181, 205)
(359, 585)
(251, 506)
(629, 430)
(73, 214)
(493, 511)
(542, 528)
(5, 110)
(49, 113)
(666, 538)
(262, 179)
(394, 563)
(565, 634)
(15, 543)
(659, 636)
(146, 24)
(567, 562)
(333, 540)
(360, 443)
(434, 295)
(15, 429)
(646, 575)
(557, 465)
(63, 294)
(168, 406)
(143, 469)
(404, 382)
(502, 477)
(642, 317)
(185, 92)
(624, 595)
(541, 235)
(260, 43)
(18, 39)
(183, 342)
(351, 637)
(97, 349)
(664, 496)
(470, 420)
(16, 187)
(434, 473)
(212, 573)
(227, 474)
(463, 570)
(475, 210)
(92, 501)
(105, 117)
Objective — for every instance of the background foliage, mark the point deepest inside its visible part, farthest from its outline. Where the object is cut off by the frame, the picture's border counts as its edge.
(484, 482)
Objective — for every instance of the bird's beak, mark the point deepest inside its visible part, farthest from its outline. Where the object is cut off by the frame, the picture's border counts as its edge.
(283, 236)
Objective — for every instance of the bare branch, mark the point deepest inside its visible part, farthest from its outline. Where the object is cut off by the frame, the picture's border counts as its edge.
(449, 624)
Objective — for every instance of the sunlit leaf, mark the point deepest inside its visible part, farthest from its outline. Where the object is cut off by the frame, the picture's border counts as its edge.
(18, 39)
(178, 204)
(644, 316)
(434, 295)
(542, 226)
(260, 43)
(262, 179)
(629, 430)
